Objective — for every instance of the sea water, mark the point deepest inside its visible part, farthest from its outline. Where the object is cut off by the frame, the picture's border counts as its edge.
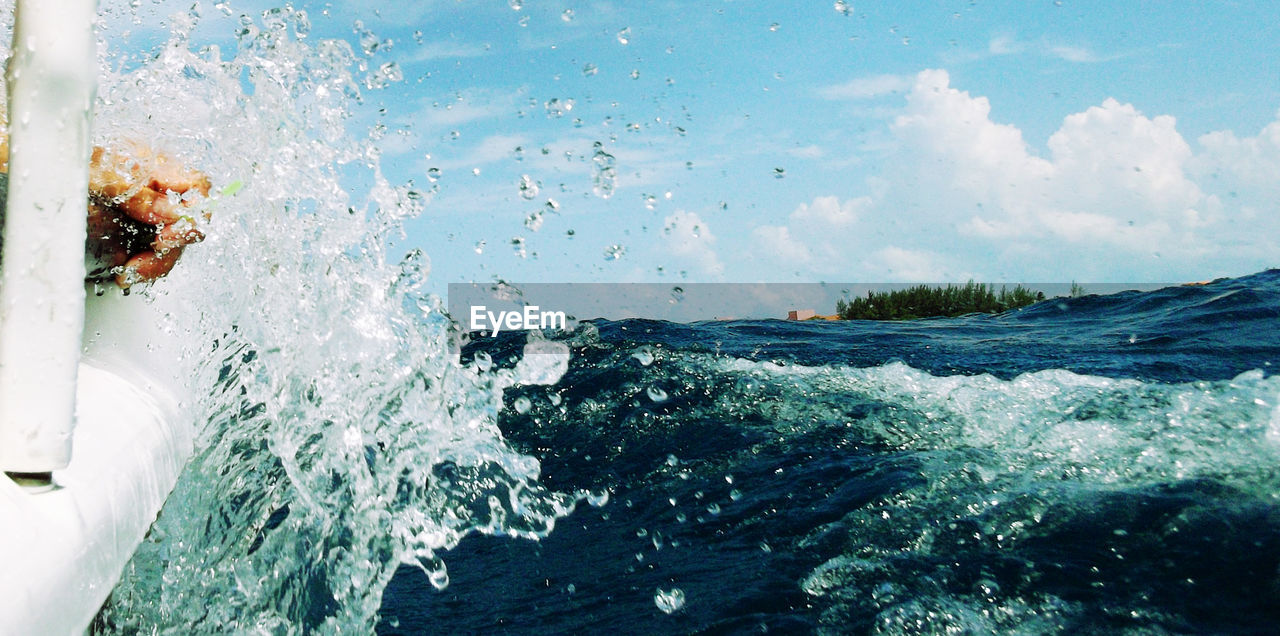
(1099, 464)
(1104, 464)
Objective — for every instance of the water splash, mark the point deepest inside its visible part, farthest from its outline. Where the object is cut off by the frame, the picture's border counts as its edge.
(338, 437)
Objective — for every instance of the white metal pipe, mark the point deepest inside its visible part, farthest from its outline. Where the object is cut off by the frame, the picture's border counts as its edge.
(52, 78)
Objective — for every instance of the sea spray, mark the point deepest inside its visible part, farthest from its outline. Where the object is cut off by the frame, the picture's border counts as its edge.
(338, 434)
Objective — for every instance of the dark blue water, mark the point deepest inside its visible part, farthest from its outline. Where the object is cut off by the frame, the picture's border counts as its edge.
(1105, 464)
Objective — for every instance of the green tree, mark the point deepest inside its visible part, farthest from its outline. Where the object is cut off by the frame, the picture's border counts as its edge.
(924, 301)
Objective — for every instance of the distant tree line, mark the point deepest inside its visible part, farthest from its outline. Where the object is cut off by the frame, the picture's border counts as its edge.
(925, 301)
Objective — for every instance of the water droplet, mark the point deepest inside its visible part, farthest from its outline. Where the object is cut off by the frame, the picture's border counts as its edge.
(606, 172)
(624, 36)
(557, 108)
(843, 7)
(384, 76)
(522, 405)
(672, 460)
(483, 361)
(713, 508)
(480, 246)
(779, 173)
(657, 395)
(528, 188)
(774, 27)
(475, 172)
(681, 517)
(369, 41)
(517, 245)
(669, 601)
(589, 70)
(735, 494)
(517, 4)
(635, 73)
(534, 221)
(567, 16)
(614, 252)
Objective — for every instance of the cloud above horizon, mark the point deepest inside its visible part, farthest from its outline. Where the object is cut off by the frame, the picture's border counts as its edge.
(689, 240)
(1114, 190)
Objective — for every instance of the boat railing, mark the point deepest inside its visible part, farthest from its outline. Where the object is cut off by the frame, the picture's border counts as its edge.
(52, 81)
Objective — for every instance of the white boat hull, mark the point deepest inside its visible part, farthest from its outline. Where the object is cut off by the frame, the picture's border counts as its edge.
(64, 550)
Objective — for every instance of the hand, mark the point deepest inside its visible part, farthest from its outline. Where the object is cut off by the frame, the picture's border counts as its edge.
(135, 229)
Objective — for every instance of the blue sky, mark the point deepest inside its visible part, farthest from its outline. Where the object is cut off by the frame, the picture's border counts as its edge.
(822, 141)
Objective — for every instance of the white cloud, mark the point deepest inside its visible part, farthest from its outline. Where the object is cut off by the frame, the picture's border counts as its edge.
(1116, 194)
(867, 87)
(490, 149)
(818, 235)
(904, 265)
(807, 152)
(777, 242)
(1117, 160)
(1004, 45)
(1077, 54)
(1110, 168)
(467, 106)
(688, 238)
(443, 50)
(1238, 167)
(827, 213)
